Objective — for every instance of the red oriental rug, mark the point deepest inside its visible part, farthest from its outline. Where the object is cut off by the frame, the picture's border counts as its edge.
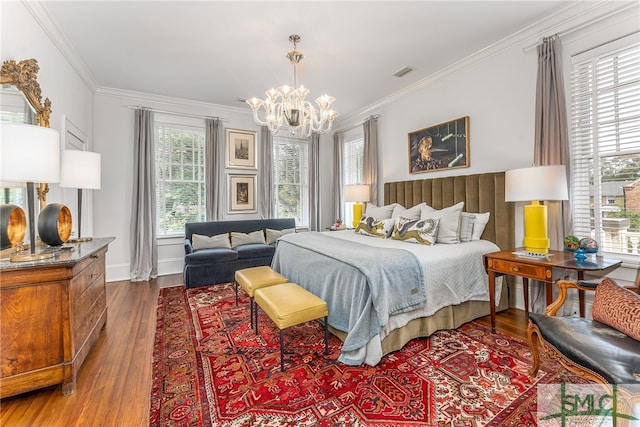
(211, 369)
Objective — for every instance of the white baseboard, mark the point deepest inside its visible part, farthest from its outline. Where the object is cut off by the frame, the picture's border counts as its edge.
(117, 272)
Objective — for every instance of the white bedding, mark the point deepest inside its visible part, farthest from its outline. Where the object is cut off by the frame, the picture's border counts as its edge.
(454, 273)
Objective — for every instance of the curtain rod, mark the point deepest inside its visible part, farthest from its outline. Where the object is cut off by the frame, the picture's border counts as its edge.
(373, 116)
(175, 113)
(574, 29)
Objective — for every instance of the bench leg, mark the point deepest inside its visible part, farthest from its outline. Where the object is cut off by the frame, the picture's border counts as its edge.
(256, 310)
(252, 309)
(281, 350)
(326, 335)
(236, 294)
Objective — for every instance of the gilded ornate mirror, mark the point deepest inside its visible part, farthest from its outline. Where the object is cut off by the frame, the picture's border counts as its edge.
(21, 101)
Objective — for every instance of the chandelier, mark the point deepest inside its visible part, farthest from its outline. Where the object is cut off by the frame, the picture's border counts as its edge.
(287, 105)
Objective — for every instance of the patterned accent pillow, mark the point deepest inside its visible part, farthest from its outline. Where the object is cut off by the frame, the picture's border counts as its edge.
(370, 226)
(238, 239)
(422, 231)
(617, 307)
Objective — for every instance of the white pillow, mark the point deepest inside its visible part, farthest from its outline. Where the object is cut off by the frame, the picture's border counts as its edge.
(472, 225)
(422, 231)
(449, 221)
(412, 213)
(466, 227)
(370, 226)
(273, 235)
(380, 212)
(198, 241)
(479, 224)
(238, 239)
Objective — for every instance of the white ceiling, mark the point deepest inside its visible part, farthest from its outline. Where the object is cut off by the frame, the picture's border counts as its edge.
(219, 51)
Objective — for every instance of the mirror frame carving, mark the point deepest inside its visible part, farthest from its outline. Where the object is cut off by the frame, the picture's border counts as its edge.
(24, 76)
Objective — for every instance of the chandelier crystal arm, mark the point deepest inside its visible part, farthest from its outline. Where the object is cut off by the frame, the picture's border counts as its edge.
(288, 105)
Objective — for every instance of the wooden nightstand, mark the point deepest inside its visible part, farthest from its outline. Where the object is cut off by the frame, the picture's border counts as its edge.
(507, 263)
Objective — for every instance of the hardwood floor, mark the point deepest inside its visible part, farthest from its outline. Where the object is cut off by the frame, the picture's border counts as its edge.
(114, 383)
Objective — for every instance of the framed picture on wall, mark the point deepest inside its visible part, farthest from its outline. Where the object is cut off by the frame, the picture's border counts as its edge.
(439, 147)
(241, 149)
(242, 193)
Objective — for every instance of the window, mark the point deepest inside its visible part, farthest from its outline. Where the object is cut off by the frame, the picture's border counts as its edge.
(353, 161)
(605, 135)
(180, 193)
(291, 179)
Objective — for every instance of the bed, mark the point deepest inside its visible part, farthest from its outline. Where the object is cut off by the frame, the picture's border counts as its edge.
(335, 266)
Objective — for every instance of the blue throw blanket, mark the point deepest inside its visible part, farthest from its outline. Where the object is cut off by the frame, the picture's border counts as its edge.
(362, 285)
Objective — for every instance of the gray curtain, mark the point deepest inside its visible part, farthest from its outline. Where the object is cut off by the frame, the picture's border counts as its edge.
(213, 175)
(551, 148)
(338, 179)
(265, 202)
(144, 251)
(314, 182)
(370, 161)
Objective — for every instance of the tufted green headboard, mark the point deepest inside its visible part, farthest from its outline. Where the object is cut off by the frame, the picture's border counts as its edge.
(480, 192)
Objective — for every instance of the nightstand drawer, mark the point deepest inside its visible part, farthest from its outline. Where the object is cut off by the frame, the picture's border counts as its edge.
(539, 272)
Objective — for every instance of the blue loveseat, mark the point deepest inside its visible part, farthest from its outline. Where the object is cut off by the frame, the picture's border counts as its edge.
(218, 265)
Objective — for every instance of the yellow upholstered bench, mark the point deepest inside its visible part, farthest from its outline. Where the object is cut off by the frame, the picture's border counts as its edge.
(288, 304)
(254, 278)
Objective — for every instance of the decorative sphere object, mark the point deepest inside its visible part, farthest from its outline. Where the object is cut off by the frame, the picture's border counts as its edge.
(589, 245)
(13, 225)
(571, 243)
(54, 224)
(580, 255)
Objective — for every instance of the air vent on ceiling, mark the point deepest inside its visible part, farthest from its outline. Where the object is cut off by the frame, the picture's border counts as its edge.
(403, 71)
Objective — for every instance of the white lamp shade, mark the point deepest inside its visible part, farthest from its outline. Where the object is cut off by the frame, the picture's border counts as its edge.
(356, 193)
(536, 183)
(80, 169)
(29, 153)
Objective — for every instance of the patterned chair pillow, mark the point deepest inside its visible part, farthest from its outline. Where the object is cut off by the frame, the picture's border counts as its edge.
(370, 226)
(617, 307)
(424, 231)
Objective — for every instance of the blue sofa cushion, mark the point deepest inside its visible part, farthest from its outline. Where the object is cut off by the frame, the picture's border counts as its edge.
(255, 250)
(211, 255)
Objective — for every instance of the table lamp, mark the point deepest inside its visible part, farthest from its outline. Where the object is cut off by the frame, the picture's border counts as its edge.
(535, 184)
(29, 154)
(356, 193)
(81, 170)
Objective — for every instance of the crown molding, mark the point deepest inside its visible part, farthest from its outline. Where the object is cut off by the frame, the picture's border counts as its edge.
(570, 16)
(40, 13)
(169, 101)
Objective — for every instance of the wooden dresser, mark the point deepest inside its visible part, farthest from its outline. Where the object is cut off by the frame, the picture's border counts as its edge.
(51, 314)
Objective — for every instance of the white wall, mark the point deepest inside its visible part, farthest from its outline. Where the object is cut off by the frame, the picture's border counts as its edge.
(23, 38)
(113, 137)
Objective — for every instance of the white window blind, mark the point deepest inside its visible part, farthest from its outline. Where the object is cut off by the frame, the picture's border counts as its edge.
(180, 190)
(291, 179)
(352, 166)
(605, 145)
